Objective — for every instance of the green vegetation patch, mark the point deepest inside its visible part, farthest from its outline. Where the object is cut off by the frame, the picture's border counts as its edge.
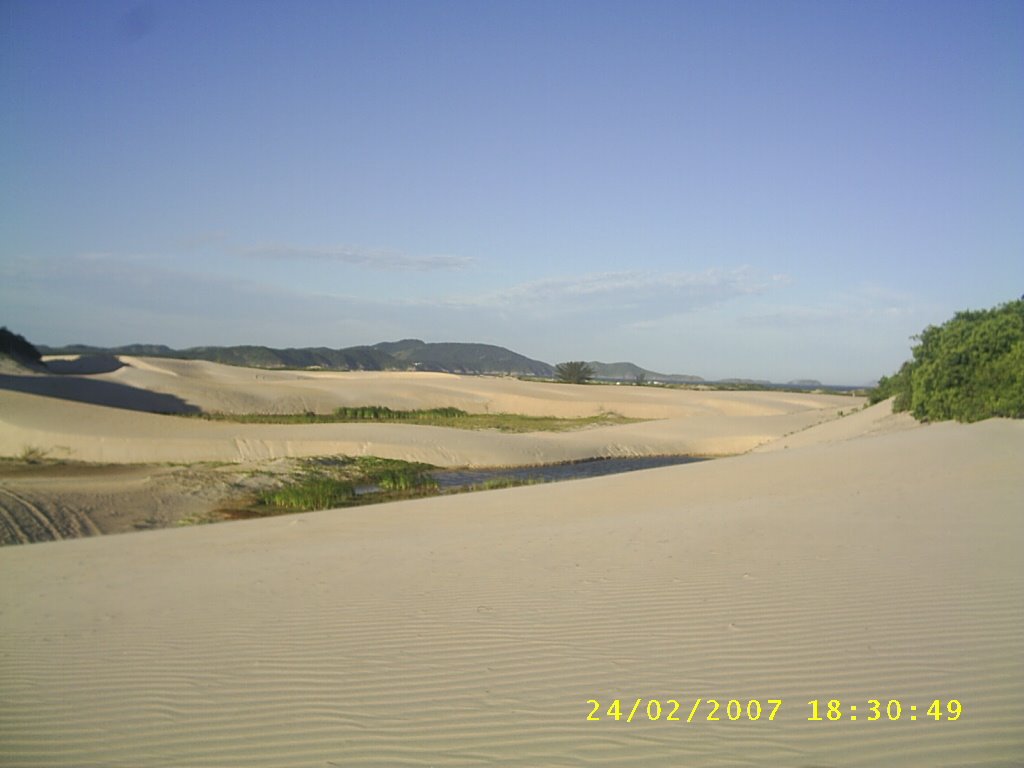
(395, 475)
(435, 417)
(309, 493)
(332, 482)
(969, 368)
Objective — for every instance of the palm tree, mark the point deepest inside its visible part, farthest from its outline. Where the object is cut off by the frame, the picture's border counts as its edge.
(575, 372)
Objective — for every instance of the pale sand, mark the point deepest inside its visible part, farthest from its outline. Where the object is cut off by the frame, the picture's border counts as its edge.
(872, 558)
(691, 422)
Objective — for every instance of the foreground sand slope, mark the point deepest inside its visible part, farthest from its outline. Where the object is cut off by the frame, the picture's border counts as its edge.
(472, 630)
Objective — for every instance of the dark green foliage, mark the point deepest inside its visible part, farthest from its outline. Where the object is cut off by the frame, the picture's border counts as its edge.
(897, 385)
(969, 368)
(574, 372)
(17, 347)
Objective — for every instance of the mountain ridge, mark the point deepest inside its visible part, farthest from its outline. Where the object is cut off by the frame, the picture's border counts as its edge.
(413, 355)
(404, 354)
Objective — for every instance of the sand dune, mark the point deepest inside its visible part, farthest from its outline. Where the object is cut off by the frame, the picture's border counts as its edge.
(88, 432)
(472, 630)
(854, 558)
(232, 389)
(692, 422)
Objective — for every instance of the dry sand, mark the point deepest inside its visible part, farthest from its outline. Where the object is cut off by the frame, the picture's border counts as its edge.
(98, 411)
(47, 412)
(865, 558)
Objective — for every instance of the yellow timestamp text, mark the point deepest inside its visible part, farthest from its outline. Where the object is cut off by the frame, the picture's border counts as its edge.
(834, 710)
(675, 711)
(690, 710)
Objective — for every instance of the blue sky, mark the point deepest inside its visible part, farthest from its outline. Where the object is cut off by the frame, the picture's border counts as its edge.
(758, 189)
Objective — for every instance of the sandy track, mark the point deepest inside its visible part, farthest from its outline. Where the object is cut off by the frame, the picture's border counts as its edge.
(48, 502)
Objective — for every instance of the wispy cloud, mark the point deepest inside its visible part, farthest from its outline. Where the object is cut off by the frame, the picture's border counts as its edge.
(860, 304)
(368, 258)
(108, 298)
(623, 290)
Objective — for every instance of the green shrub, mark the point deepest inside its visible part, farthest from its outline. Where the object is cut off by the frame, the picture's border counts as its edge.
(969, 368)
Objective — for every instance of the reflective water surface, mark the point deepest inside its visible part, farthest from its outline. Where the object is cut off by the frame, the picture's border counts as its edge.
(455, 478)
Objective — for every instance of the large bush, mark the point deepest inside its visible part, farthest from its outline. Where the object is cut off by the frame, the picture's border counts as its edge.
(969, 368)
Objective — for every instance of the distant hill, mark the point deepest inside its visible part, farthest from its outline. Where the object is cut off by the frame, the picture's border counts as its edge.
(630, 372)
(396, 348)
(138, 350)
(406, 355)
(464, 358)
(409, 354)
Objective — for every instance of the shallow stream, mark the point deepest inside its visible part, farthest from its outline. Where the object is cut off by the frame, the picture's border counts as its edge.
(455, 478)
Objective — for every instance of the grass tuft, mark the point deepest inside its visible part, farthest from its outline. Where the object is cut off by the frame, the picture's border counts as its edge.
(309, 493)
(33, 454)
(394, 475)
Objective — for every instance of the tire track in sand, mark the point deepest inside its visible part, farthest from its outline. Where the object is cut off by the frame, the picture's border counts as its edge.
(26, 522)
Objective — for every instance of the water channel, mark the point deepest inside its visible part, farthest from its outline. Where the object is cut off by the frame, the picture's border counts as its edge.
(546, 473)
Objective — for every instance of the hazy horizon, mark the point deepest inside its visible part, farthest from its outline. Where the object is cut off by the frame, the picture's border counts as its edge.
(771, 191)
